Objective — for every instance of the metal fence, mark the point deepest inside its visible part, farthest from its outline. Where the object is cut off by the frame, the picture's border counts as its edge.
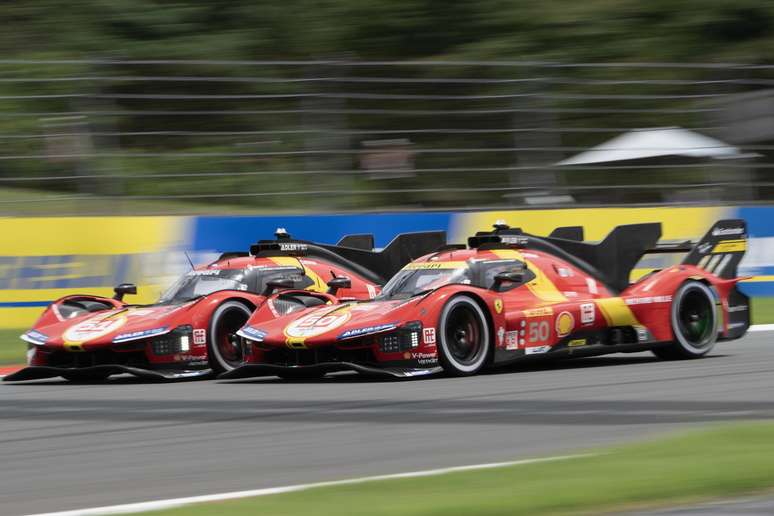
(106, 136)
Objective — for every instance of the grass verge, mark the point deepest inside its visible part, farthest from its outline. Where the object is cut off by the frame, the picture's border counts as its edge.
(722, 462)
(762, 310)
(12, 349)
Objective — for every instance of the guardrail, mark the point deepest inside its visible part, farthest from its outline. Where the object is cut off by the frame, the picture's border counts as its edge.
(368, 134)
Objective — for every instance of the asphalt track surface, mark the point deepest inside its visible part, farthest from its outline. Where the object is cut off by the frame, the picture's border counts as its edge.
(69, 446)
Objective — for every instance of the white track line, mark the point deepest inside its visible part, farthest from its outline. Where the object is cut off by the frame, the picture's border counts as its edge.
(172, 503)
(761, 327)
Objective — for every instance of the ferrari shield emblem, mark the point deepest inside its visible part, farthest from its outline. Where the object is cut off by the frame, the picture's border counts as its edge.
(498, 305)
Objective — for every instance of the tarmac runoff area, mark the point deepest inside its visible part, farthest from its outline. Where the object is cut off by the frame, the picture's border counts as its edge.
(67, 446)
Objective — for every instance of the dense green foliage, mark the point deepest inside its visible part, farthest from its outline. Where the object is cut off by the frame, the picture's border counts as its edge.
(431, 30)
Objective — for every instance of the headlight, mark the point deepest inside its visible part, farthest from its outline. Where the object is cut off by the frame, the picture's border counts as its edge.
(403, 339)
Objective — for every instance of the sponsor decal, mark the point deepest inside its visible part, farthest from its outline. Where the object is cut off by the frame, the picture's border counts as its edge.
(358, 332)
(91, 329)
(425, 358)
(511, 340)
(536, 350)
(516, 240)
(139, 312)
(570, 293)
(564, 272)
(730, 246)
(364, 307)
(428, 336)
(574, 343)
(648, 300)
(199, 337)
(587, 313)
(592, 284)
(501, 335)
(125, 337)
(565, 323)
(407, 355)
(371, 291)
(317, 323)
(498, 305)
(205, 272)
(642, 334)
(539, 312)
(290, 246)
(434, 265)
(35, 337)
(252, 333)
(727, 231)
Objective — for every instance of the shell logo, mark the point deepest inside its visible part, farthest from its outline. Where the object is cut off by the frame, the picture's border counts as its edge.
(565, 323)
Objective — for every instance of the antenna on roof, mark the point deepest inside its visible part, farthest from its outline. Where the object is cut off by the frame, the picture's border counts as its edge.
(282, 234)
(500, 224)
(189, 260)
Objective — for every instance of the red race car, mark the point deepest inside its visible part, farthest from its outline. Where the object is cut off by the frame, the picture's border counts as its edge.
(508, 295)
(190, 330)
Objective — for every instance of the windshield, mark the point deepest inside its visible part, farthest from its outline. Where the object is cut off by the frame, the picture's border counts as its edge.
(200, 283)
(417, 278)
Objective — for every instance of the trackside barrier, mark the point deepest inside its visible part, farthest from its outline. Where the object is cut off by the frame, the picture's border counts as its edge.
(44, 258)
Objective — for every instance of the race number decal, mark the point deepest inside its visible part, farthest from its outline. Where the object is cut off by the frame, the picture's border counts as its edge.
(317, 323)
(538, 331)
(93, 328)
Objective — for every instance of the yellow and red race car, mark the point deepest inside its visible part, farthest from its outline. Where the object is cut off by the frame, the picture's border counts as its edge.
(190, 331)
(507, 296)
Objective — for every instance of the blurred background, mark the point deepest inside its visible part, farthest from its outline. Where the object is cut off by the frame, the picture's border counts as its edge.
(188, 107)
(201, 126)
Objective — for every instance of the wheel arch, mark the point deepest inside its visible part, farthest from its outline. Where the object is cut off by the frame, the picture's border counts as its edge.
(487, 315)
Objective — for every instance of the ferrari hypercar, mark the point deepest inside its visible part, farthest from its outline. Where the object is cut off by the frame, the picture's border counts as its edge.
(190, 331)
(510, 296)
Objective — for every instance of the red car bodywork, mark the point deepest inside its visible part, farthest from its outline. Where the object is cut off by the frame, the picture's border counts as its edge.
(559, 309)
(90, 337)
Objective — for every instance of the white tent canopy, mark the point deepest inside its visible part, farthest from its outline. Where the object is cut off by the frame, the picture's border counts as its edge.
(656, 143)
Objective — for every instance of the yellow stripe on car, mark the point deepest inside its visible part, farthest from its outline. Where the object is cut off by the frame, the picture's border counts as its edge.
(540, 286)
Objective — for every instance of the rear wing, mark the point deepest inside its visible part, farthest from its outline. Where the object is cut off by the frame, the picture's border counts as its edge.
(351, 252)
(612, 260)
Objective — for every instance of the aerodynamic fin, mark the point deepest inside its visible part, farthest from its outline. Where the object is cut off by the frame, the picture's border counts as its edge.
(363, 241)
(568, 233)
(400, 251)
(721, 249)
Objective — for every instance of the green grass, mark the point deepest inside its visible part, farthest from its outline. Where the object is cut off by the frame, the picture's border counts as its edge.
(762, 310)
(722, 462)
(12, 349)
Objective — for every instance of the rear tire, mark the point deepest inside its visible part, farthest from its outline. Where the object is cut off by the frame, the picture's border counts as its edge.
(464, 345)
(224, 351)
(694, 320)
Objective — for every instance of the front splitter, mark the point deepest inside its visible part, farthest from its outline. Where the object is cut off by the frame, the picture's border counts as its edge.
(101, 372)
(260, 370)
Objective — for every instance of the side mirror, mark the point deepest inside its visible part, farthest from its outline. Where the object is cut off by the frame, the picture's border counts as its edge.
(511, 276)
(338, 283)
(278, 284)
(124, 289)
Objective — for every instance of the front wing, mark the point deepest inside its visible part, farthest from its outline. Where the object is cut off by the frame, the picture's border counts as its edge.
(87, 373)
(259, 370)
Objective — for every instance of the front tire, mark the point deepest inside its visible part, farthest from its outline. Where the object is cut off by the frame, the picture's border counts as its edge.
(464, 344)
(224, 351)
(694, 320)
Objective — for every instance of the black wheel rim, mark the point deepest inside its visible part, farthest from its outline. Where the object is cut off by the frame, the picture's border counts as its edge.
(696, 318)
(463, 335)
(226, 339)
